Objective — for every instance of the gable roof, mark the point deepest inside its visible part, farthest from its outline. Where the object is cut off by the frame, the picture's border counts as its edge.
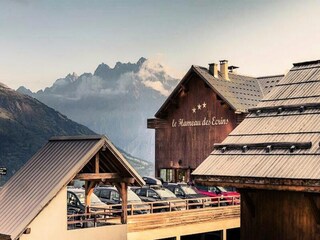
(24, 196)
(240, 92)
(267, 144)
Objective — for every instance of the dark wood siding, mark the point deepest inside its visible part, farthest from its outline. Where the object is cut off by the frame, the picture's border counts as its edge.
(279, 215)
(192, 144)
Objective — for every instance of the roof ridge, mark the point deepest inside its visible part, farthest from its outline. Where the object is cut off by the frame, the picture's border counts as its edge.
(271, 76)
(76, 137)
(298, 64)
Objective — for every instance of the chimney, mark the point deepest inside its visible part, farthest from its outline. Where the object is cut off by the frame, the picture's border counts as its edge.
(224, 69)
(232, 69)
(213, 69)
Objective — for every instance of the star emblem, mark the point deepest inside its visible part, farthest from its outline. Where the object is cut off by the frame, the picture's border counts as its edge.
(199, 106)
(194, 110)
(204, 105)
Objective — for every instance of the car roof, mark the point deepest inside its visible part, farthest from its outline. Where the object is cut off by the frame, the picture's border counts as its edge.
(75, 190)
(106, 187)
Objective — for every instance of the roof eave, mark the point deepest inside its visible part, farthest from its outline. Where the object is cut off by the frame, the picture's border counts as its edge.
(173, 93)
(124, 162)
(262, 183)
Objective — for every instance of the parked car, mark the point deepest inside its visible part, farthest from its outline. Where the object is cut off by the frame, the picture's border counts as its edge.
(110, 195)
(184, 191)
(162, 195)
(215, 191)
(76, 201)
(152, 181)
(76, 205)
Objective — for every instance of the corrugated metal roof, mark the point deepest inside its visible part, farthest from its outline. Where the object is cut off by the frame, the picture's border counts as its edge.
(300, 86)
(45, 174)
(261, 166)
(268, 82)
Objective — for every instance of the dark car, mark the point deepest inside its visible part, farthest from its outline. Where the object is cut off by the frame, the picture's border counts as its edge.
(76, 204)
(76, 201)
(184, 191)
(111, 196)
(161, 198)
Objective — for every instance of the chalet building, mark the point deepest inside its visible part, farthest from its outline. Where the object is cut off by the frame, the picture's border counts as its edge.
(272, 157)
(202, 110)
(34, 201)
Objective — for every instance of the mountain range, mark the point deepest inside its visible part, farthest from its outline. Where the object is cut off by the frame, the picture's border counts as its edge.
(26, 124)
(113, 101)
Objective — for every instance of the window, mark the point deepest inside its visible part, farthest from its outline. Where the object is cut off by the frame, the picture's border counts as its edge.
(141, 192)
(167, 175)
(114, 196)
(104, 194)
(178, 191)
(152, 193)
(72, 199)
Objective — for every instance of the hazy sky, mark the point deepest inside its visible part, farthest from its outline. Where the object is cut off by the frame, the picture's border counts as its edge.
(41, 41)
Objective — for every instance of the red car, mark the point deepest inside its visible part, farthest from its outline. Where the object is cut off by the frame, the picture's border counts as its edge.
(213, 191)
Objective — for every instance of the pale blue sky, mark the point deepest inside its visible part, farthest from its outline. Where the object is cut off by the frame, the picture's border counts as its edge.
(41, 41)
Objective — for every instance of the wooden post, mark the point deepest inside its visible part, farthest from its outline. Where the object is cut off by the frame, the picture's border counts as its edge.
(223, 234)
(123, 190)
(89, 187)
(97, 163)
(124, 195)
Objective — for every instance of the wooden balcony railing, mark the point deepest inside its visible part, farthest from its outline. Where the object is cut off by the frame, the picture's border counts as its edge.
(186, 209)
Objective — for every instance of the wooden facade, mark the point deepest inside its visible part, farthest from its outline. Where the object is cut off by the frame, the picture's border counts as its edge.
(201, 111)
(279, 215)
(188, 136)
(272, 157)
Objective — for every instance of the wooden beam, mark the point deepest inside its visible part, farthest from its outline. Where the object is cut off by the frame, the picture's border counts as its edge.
(296, 185)
(119, 180)
(274, 145)
(97, 163)
(96, 176)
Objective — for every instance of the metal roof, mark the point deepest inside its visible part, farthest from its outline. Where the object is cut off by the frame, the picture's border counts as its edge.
(268, 82)
(49, 171)
(240, 92)
(301, 86)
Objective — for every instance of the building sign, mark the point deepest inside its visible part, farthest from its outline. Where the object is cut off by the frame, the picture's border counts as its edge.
(3, 171)
(214, 121)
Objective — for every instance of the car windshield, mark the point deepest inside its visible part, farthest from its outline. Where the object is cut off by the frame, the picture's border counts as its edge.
(188, 190)
(165, 193)
(81, 196)
(222, 189)
(132, 197)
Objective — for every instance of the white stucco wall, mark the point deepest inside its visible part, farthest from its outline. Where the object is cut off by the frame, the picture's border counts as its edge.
(51, 224)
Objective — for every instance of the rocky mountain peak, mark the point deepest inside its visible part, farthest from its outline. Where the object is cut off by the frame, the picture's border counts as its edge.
(114, 101)
(141, 61)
